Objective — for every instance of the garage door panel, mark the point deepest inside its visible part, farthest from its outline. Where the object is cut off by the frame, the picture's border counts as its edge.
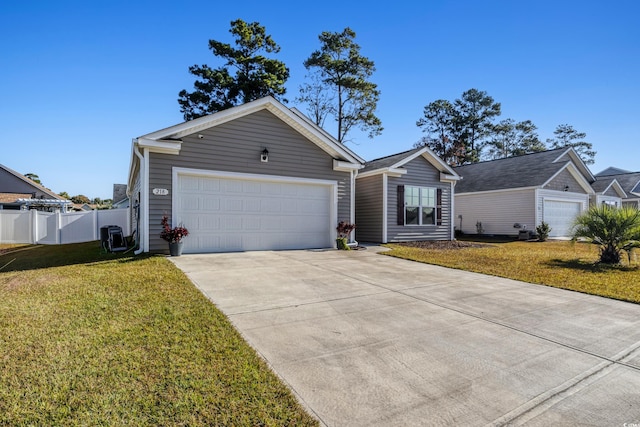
(229, 214)
(190, 203)
(560, 215)
(271, 206)
(189, 183)
(208, 223)
(210, 203)
(211, 184)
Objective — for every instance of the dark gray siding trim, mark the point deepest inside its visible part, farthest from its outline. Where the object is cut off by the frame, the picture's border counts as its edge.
(235, 147)
(420, 173)
(369, 209)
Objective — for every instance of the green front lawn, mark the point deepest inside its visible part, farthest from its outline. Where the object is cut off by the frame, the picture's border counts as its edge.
(559, 264)
(88, 338)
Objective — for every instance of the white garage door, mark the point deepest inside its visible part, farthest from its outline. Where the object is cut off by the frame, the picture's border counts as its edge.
(225, 214)
(560, 215)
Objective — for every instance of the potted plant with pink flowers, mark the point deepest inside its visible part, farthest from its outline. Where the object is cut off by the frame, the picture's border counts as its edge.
(174, 236)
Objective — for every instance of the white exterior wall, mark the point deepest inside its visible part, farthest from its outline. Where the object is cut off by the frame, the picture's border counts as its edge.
(600, 199)
(561, 196)
(498, 211)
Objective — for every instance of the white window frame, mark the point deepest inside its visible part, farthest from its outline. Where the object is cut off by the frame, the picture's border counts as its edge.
(420, 206)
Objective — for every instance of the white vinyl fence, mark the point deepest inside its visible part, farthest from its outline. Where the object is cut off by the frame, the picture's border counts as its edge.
(58, 228)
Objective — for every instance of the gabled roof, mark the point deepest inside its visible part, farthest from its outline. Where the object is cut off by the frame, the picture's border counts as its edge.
(630, 183)
(169, 139)
(395, 162)
(527, 171)
(612, 171)
(604, 183)
(31, 183)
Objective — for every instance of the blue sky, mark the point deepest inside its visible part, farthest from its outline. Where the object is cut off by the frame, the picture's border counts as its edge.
(80, 79)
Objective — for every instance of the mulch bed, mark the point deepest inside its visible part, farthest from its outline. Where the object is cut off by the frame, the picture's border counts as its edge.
(443, 244)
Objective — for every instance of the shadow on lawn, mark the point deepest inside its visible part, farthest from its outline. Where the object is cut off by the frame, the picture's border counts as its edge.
(593, 267)
(33, 257)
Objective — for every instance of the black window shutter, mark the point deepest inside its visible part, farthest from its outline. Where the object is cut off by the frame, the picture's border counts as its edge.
(439, 207)
(400, 210)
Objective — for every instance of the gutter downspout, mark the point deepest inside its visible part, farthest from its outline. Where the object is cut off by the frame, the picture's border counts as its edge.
(352, 214)
(143, 203)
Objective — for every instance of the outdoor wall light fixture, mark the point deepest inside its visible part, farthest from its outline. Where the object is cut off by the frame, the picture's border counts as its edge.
(264, 156)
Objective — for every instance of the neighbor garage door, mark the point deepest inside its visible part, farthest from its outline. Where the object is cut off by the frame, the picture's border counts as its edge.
(226, 214)
(560, 215)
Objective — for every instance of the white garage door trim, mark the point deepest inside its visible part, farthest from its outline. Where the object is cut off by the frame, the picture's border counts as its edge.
(332, 186)
(564, 231)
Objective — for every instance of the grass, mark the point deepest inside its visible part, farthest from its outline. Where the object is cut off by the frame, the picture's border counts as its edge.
(559, 264)
(88, 338)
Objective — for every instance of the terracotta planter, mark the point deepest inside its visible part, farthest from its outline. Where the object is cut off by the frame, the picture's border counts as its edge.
(175, 248)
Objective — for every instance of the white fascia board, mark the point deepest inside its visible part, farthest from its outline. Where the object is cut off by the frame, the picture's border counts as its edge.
(159, 146)
(394, 172)
(293, 119)
(314, 133)
(429, 156)
(133, 165)
(341, 147)
(449, 178)
(618, 188)
(578, 163)
(439, 164)
(573, 170)
(215, 119)
(504, 190)
(342, 166)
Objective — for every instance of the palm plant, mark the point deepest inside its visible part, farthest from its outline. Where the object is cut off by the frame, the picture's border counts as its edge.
(614, 230)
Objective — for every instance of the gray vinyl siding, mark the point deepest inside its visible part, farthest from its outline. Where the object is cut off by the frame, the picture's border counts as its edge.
(369, 209)
(419, 173)
(12, 184)
(563, 180)
(235, 147)
(498, 211)
(611, 192)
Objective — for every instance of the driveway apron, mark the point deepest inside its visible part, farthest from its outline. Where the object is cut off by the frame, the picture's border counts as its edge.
(364, 339)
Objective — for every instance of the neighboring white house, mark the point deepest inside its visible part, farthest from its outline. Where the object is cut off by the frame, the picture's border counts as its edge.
(508, 195)
(628, 181)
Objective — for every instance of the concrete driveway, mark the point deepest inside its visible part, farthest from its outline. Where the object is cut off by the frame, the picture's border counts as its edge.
(364, 339)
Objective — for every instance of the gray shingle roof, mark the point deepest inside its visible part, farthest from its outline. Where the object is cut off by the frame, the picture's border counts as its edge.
(630, 182)
(601, 183)
(388, 161)
(529, 170)
(612, 171)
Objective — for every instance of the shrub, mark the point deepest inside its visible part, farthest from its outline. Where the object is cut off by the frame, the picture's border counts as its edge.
(543, 231)
(614, 229)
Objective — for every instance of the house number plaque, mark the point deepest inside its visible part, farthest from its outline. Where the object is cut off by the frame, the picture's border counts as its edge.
(160, 191)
